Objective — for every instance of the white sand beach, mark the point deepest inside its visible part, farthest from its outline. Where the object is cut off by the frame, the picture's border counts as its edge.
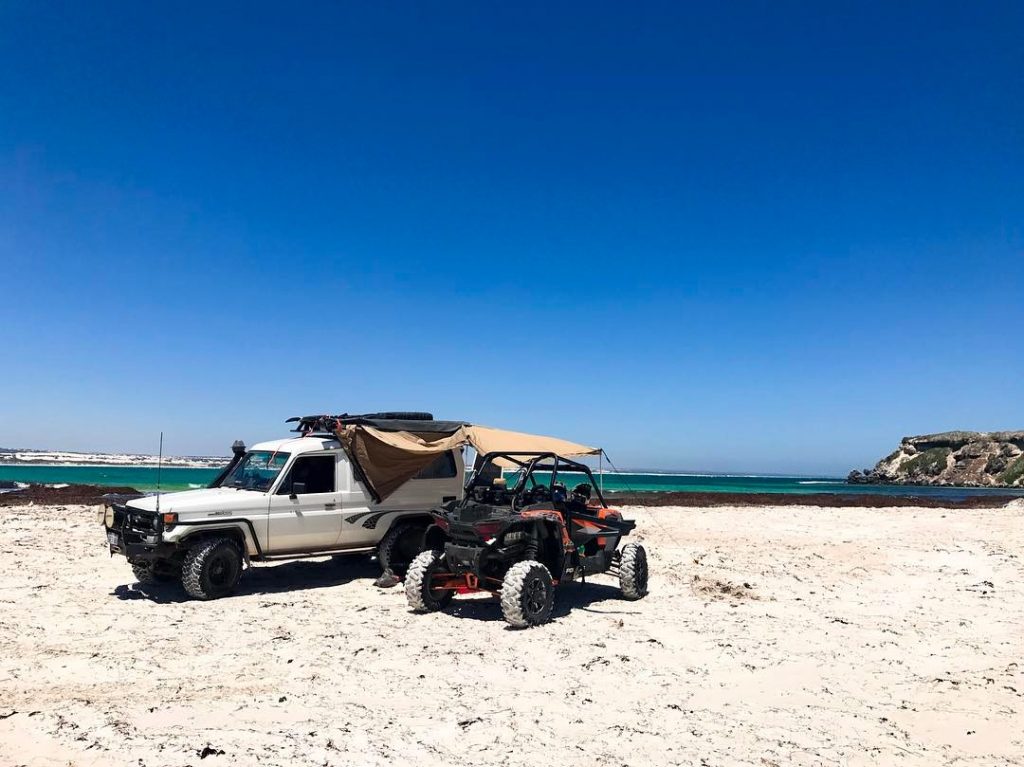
(771, 636)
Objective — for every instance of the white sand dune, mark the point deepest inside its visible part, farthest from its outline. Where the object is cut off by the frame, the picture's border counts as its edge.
(771, 636)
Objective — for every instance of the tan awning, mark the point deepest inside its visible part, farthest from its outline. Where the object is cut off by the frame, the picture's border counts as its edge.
(488, 440)
(389, 459)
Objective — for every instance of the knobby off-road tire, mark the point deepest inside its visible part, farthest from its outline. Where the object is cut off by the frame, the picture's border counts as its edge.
(633, 571)
(399, 547)
(149, 573)
(527, 594)
(421, 597)
(212, 568)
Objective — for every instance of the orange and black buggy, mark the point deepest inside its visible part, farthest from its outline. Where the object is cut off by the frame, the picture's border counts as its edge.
(519, 534)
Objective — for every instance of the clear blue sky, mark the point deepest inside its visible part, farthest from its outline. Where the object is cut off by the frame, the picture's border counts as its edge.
(763, 237)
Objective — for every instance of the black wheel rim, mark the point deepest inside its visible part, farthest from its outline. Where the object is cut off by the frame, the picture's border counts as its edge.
(535, 595)
(222, 570)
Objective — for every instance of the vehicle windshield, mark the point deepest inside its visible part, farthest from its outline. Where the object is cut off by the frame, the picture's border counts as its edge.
(256, 471)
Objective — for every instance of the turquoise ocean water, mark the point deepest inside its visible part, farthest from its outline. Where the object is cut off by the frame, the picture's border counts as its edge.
(145, 478)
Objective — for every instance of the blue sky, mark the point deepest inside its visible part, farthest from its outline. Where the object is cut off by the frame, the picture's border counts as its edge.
(773, 239)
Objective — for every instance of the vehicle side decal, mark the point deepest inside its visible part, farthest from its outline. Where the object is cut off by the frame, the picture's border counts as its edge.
(370, 522)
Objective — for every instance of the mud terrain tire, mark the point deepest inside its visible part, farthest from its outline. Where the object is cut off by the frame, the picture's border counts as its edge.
(399, 547)
(527, 594)
(633, 571)
(421, 597)
(212, 568)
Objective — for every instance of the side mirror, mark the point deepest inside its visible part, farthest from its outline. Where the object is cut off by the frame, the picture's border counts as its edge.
(298, 488)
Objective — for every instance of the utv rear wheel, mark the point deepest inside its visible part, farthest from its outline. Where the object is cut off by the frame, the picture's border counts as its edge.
(633, 571)
(399, 547)
(212, 568)
(423, 597)
(527, 594)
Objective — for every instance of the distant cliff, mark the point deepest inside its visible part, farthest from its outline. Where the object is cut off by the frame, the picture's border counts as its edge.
(964, 458)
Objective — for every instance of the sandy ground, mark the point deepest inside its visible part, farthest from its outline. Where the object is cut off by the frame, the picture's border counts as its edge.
(771, 636)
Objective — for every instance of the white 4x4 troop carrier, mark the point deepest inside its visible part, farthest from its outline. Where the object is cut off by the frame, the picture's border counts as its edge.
(303, 496)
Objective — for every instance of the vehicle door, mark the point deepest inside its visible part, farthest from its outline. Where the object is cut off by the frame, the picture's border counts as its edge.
(305, 510)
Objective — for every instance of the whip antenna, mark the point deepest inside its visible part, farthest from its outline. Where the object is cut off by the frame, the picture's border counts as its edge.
(159, 466)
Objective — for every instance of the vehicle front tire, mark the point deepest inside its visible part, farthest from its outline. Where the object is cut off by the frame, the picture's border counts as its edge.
(418, 592)
(633, 571)
(527, 594)
(212, 568)
(399, 547)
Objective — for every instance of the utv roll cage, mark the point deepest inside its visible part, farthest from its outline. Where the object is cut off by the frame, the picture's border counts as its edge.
(530, 463)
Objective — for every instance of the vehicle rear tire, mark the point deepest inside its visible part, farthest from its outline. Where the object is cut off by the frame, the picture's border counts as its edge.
(400, 546)
(421, 597)
(633, 571)
(212, 568)
(150, 573)
(527, 594)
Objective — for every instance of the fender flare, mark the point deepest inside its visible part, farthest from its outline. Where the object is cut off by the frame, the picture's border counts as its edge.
(242, 528)
(434, 538)
(406, 517)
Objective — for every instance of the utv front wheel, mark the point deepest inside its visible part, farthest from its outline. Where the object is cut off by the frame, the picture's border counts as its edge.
(423, 597)
(633, 571)
(527, 594)
(212, 568)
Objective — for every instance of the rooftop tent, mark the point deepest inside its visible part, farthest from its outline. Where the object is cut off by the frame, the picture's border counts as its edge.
(389, 457)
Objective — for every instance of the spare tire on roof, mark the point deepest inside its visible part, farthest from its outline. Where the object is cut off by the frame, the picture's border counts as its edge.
(398, 415)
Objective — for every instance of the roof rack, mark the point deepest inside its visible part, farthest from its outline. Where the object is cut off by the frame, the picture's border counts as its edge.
(397, 420)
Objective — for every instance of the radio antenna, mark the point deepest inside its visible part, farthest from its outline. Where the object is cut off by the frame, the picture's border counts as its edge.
(159, 466)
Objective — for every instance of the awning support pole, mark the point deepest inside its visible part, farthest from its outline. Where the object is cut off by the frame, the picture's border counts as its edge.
(600, 470)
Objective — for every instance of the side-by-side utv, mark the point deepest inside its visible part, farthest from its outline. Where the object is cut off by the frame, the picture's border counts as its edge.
(520, 533)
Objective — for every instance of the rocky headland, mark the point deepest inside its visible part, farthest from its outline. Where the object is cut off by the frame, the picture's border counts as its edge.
(958, 458)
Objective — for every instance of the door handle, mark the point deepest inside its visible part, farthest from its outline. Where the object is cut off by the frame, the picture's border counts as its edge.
(330, 505)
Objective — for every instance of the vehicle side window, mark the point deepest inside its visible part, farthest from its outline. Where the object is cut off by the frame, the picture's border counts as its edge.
(315, 471)
(443, 467)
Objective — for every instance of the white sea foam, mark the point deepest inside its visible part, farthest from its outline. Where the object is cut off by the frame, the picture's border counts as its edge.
(68, 458)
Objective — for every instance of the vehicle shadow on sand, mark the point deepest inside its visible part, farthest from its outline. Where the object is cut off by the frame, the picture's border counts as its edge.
(599, 598)
(271, 578)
